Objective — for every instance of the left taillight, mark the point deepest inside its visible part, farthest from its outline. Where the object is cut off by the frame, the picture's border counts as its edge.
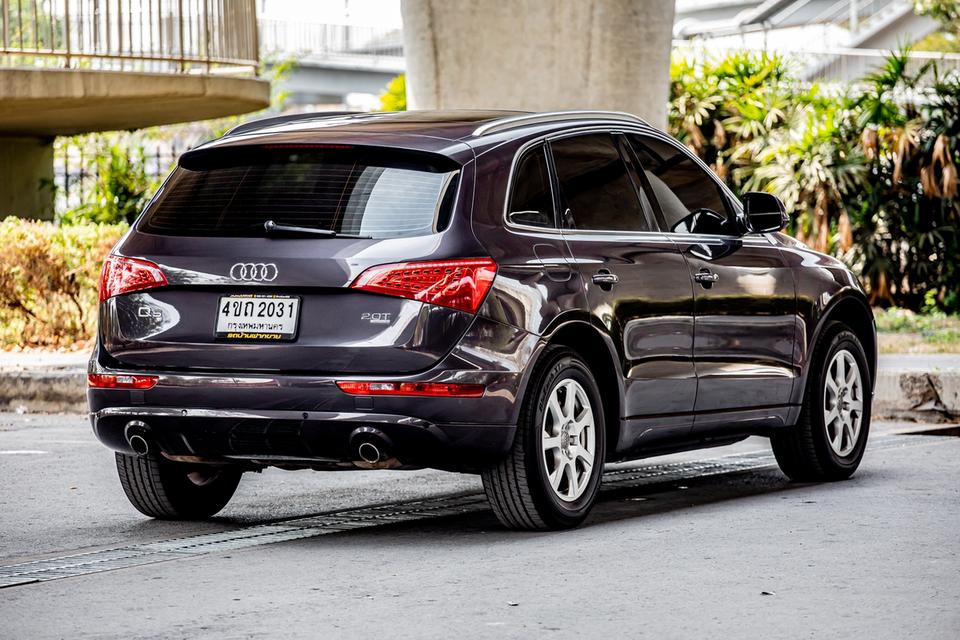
(459, 284)
(120, 381)
(123, 275)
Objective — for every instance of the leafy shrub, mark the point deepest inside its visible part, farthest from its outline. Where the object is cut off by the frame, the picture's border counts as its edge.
(395, 97)
(121, 186)
(48, 280)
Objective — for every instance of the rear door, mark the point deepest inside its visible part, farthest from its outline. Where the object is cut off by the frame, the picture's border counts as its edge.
(205, 229)
(744, 290)
(637, 285)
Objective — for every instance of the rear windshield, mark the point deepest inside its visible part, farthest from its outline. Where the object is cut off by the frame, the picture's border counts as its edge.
(234, 191)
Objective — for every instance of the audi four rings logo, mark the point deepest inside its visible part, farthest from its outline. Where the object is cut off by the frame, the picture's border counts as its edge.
(254, 271)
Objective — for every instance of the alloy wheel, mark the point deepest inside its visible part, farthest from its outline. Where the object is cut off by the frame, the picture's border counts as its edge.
(843, 403)
(568, 438)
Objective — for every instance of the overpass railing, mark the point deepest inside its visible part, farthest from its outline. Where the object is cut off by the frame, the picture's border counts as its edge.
(163, 36)
(314, 40)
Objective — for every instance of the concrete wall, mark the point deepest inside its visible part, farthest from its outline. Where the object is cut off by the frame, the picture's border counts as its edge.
(539, 55)
(26, 177)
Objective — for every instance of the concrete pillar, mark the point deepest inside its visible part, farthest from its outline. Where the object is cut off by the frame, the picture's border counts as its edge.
(26, 177)
(539, 55)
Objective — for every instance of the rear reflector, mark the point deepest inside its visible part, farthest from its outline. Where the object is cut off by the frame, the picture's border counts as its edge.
(123, 275)
(436, 389)
(122, 381)
(459, 284)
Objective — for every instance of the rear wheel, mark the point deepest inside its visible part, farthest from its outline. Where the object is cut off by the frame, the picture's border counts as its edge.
(169, 490)
(551, 477)
(831, 435)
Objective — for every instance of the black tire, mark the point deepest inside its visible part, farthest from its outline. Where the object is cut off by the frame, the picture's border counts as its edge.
(518, 489)
(804, 452)
(169, 490)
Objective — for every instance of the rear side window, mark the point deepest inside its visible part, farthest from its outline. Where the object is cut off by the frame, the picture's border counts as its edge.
(233, 192)
(679, 184)
(595, 185)
(531, 200)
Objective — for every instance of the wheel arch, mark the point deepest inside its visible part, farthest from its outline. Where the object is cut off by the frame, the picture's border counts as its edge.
(852, 310)
(598, 352)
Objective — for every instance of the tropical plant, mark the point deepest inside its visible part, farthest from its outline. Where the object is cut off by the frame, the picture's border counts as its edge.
(907, 246)
(813, 167)
(871, 178)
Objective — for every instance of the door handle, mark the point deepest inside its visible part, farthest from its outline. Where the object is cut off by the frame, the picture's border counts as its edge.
(705, 277)
(605, 278)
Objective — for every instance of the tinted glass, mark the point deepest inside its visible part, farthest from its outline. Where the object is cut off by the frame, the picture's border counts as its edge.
(595, 184)
(531, 202)
(233, 192)
(680, 186)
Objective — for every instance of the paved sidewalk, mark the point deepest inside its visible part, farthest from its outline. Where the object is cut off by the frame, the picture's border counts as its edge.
(924, 387)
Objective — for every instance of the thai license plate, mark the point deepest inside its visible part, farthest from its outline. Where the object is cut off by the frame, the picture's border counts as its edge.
(258, 317)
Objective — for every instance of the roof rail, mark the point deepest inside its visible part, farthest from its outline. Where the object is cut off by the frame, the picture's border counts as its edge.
(261, 123)
(512, 122)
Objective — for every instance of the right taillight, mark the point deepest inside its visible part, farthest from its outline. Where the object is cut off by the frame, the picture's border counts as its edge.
(123, 275)
(460, 284)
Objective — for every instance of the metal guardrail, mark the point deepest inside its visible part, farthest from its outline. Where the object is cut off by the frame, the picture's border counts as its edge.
(850, 65)
(163, 36)
(321, 40)
(834, 65)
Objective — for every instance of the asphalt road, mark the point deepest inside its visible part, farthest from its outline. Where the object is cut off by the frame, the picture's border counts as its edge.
(712, 543)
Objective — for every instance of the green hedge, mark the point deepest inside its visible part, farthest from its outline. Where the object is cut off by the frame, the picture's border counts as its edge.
(48, 280)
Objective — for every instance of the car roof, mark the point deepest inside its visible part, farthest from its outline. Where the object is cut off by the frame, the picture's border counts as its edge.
(449, 132)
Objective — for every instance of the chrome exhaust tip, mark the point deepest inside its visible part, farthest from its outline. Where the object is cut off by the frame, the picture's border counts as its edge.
(369, 452)
(137, 434)
(139, 445)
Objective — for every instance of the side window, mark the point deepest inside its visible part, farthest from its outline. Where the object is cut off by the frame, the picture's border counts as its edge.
(595, 185)
(689, 198)
(531, 202)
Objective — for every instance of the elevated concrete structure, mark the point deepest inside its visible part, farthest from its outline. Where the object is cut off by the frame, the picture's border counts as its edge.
(539, 55)
(48, 102)
(94, 67)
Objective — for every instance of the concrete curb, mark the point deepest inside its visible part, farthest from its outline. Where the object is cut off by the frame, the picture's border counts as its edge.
(929, 394)
(924, 396)
(43, 391)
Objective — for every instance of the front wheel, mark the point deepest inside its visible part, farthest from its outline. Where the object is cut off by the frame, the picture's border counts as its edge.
(831, 435)
(168, 490)
(551, 477)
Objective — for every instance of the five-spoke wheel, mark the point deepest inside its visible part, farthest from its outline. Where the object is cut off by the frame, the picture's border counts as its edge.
(551, 476)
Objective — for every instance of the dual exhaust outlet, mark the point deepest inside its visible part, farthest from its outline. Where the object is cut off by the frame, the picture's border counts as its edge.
(369, 448)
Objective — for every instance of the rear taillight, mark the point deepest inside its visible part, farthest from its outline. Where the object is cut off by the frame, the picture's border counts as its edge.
(459, 284)
(123, 275)
(436, 389)
(121, 381)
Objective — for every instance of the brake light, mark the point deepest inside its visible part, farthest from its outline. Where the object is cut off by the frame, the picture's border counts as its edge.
(459, 284)
(436, 389)
(121, 381)
(123, 275)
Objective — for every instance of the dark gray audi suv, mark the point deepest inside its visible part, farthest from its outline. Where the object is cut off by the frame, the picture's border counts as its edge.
(523, 296)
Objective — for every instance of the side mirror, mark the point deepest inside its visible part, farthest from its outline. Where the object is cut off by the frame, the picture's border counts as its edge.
(763, 212)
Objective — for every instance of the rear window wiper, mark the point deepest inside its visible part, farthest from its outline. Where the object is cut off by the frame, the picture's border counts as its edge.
(272, 228)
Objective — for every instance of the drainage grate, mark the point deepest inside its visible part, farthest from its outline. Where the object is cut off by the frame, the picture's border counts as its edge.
(310, 526)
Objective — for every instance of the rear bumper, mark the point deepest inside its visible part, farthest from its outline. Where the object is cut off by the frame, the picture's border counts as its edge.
(298, 420)
(316, 439)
